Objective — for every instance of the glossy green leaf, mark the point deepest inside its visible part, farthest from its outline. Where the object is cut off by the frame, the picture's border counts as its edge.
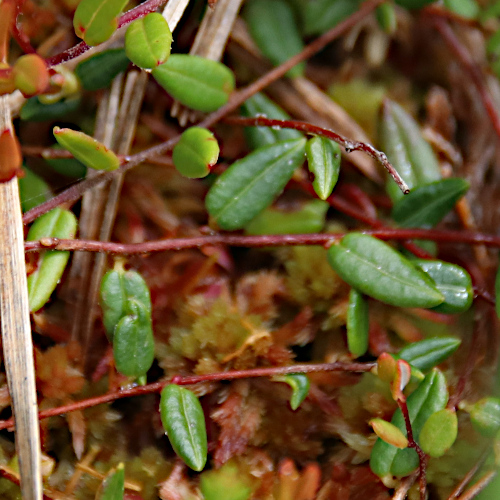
(386, 17)
(257, 137)
(34, 111)
(377, 270)
(133, 341)
(428, 398)
(57, 223)
(427, 204)
(323, 161)
(453, 281)
(97, 72)
(428, 353)
(113, 486)
(485, 416)
(118, 287)
(86, 149)
(226, 483)
(409, 153)
(96, 20)
(273, 28)
(148, 41)
(300, 385)
(33, 190)
(196, 82)
(465, 8)
(249, 185)
(196, 152)
(184, 424)
(321, 15)
(389, 433)
(357, 324)
(310, 218)
(439, 432)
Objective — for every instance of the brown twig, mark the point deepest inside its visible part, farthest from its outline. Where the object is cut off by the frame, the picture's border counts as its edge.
(474, 490)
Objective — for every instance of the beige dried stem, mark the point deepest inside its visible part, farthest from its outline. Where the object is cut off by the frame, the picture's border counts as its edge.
(16, 331)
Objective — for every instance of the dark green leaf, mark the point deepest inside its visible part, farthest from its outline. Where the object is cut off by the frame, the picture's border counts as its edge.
(377, 270)
(97, 72)
(34, 111)
(428, 353)
(133, 341)
(273, 28)
(249, 185)
(485, 416)
(33, 190)
(184, 423)
(321, 15)
(429, 397)
(323, 161)
(113, 486)
(257, 137)
(57, 223)
(357, 324)
(427, 204)
(439, 432)
(70, 167)
(196, 82)
(308, 219)
(453, 281)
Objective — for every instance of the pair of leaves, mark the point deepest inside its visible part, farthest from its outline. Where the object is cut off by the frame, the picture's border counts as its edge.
(57, 223)
(184, 423)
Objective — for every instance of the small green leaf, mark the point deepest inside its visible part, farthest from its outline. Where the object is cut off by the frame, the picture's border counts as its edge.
(428, 353)
(257, 137)
(300, 385)
(86, 149)
(377, 270)
(249, 185)
(226, 483)
(133, 341)
(57, 223)
(485, 416)
(439, 432)
(323, 161)
(427, 204)
(148, 41)
(33, 190)
(389, 433)
(453, 281)
(113, 486)
(386, 17)
(465, 8)
(321, 15)
(196, 152)
(34, 111)
(184, 424)
(273, 28)
(429, 397)
(97, 72)
(196, 82)
(357, 324)
(411, 155)
(310, 218)
(96, 20)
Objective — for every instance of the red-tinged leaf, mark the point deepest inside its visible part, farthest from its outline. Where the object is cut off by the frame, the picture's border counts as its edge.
(389, 433)
(401, 379)
(31, 75)
(386, 367)
(7, 13)
(10, 156)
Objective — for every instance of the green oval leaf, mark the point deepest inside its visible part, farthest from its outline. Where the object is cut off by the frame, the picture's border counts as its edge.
(439, 432)
(309, 219)
(86, 149)
(321, 15)
(133, 341)
(249, 185)
(426, 205)
(389, 433)
(323, 161)
(428, 398)
(34, 111)
(453, 281)
(113, 486)
(196, 152)
(485, 416)
(465, 8)
(33, 190)
(196, 82)
(273, 28)
(377, 270)
(299, 382)
(257, 137)
(184, 423)
(411, 155)
(227, 483)
(428, 353)
(357, 324)
(97, 72)
(148, 41)
(57, 223)
(386, 17)
(96, 20)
